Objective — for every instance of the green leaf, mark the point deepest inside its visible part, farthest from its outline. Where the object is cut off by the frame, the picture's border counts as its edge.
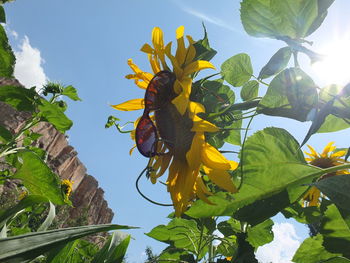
(245, 250)
(49, 218)
(114, 250)
(275, 18)
(71, 93)
(180, 233)
(336, 232)
(292, 94)
(272, 163)
(229, 227)
(237, 70)
(24, 203)
(63, 254)
(250, 90)
(173, 254)
(29, 246)
(323, 6)
(337, 260)
(332, 124)
(277, 63)
(20, 98)
(312, 251)
(7, 58)
(304, 215)
(336, 188)
(203, 49)
(38, 178)
(5, 135)
(53, 113)
(2, 15)
(260, 234)
(3, 232)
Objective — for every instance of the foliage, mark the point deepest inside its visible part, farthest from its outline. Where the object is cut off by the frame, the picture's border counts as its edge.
(26, 216)
(272, 176)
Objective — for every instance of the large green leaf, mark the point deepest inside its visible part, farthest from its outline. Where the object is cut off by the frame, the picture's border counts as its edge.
(292, 94)
(336, 232)
(29, 246)
(272, 163)
(250, 90)
(312, 251)
(277, 63)
(71, 93)
(174, 254)
(332, 124)
(53, 113)
(7, 58)
(260, 234)
(237, 70)
(114, 250)
(323, 6)
(336, 188)
(275, 18)
(24, 203)
(304, 215)
(203, 49)
(38, 178)
(181, 233)
(20, 98)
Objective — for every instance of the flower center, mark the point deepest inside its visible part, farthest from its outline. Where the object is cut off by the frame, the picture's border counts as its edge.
(324, 163)
(175, 130)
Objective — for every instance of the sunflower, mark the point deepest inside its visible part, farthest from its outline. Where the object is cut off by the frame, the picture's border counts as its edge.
(328, 158)
(67, 188)
(182, 150)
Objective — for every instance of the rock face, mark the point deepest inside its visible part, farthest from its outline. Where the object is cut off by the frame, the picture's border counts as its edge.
(89, 205)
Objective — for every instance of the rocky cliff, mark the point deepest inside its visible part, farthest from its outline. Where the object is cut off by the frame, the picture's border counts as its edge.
(89, 205)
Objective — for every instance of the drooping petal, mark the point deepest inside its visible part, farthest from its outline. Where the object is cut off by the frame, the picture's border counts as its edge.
(130, 105)
(313, 151)
(141, 84)
(197, 66)
(200, 125)
(132, 149)
(154, 64)
(201, 191)
(221, 178)
(213, 159)
(338, 154)
(193, 156)
(147, 49)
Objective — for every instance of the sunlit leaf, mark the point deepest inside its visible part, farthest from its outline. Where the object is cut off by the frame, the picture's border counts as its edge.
(332, 124)
(272, 163)
(38, 178)
(275, 18)
(53, 113)
(181, 233)
(277, 63)
(260, 234)
(114, 250)
(20, 98)
(29, 246)
(312, 251)
(7, 58)
(250, 90)
(292, 94)
(71, 93)
(323, 6)
(237, 70)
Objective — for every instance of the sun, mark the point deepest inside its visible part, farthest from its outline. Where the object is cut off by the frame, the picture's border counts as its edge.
(334, 68)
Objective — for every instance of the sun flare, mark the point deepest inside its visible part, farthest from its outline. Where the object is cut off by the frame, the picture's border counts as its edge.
(334, 68)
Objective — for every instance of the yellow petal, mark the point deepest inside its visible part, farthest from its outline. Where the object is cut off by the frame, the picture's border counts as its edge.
(132, 149)
(181, 102)
(213, 159)
(130, 105)
(221, 178)
(193, 156)
(147, 49)
(154, 64)
(181, 50)
(200, 125)
(338, 154)
(329, 148)
(201, 191)
(141, 84)
(313, 152)
(197, 66)
(157, 39)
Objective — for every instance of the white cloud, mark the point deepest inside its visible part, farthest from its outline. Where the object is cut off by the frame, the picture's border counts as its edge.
(210, 19)
(28, 68)
(282, 248)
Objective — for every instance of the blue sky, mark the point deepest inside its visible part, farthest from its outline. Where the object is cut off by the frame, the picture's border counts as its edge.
(87, 44)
